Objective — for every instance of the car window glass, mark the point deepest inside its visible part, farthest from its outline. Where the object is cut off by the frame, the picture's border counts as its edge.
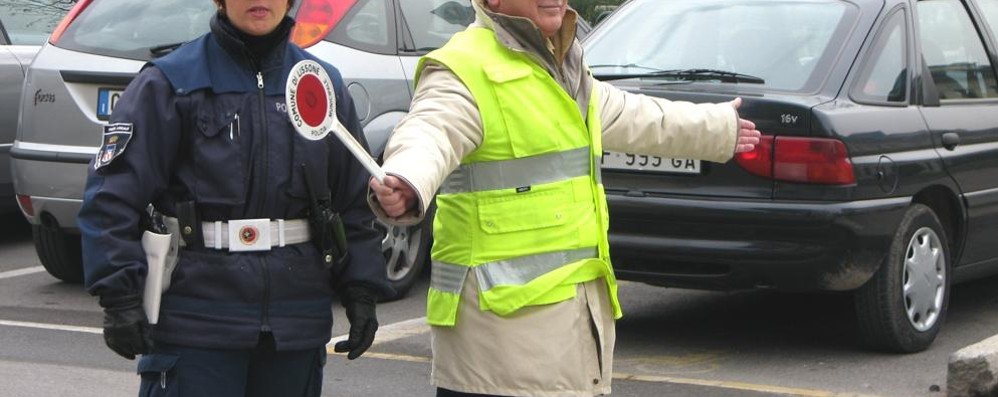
(432, 22)
(29, 22)
(884, 76)
(367, 26)
(129, 28)
(953, 51)
(990, 10)
(782, 42)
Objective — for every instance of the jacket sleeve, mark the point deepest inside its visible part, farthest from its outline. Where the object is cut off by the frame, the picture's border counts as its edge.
(645, 125)
(442, 127)
(348, 183)
(117, 194)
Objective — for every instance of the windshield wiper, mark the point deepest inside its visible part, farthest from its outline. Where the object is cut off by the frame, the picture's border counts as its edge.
(690, 75)
(628, 66)
(164, 49)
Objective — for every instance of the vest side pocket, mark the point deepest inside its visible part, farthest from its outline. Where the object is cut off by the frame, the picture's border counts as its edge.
(519, 224)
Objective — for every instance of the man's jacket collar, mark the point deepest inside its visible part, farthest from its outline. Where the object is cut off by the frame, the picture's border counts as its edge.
(521, 34)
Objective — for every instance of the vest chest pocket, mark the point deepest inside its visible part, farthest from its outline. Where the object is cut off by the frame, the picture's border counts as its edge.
(532, 110)
(220, 176)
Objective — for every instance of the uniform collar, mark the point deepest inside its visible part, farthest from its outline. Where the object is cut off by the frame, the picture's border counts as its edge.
(260, 53)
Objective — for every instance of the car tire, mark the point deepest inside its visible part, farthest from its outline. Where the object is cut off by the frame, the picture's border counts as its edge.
(59, 252)
(902, 308)
(406, 250)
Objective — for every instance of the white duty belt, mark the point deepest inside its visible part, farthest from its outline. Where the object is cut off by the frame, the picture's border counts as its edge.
(249, 234)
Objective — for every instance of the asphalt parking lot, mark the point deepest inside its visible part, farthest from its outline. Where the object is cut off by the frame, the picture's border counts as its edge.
(670, 342)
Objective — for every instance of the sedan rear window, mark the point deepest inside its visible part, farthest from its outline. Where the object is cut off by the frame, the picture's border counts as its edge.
(129, 28)
(782, 42)
(432, 23)
(29, 22)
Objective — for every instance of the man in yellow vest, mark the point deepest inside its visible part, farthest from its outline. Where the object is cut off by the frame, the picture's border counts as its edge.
(507, 128)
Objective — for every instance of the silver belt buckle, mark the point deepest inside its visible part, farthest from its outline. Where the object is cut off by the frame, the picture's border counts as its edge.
(249, 235)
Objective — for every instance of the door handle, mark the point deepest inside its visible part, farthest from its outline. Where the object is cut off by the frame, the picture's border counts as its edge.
(951, 140)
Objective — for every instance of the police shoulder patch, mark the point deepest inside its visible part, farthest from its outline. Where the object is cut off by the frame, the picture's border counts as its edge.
(113, 143)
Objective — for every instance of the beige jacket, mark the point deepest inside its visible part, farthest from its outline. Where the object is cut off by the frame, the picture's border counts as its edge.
(444, 124)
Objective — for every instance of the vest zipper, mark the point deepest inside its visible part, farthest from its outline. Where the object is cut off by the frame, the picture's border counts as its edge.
(262, 191)
(264, 150)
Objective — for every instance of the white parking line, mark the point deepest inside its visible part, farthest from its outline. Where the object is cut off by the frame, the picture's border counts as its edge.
(391, 332)
(418, 326)
(54, 327)
(21, 272)
(388, 333)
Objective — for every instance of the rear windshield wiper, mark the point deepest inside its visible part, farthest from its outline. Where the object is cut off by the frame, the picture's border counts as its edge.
(164, 49)
(690, 75)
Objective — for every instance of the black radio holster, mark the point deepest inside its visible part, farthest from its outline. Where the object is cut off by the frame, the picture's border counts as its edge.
(326, 227)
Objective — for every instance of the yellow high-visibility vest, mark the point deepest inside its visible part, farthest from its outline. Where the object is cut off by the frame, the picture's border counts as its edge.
(525, 213)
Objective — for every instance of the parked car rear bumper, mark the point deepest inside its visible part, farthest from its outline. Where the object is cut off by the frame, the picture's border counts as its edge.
(54, 180)
(730, 244)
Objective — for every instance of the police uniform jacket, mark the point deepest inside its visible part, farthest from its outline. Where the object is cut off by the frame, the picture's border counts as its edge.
(208, 123)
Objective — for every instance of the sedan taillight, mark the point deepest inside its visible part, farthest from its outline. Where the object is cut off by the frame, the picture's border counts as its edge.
(800, 160)
(316, 18)
(68, 19)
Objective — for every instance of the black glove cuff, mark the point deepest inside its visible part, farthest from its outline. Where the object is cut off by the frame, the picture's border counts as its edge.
(119, 303)
(358, 293)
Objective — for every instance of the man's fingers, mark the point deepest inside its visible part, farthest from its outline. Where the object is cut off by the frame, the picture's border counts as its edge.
(746, 124)
(736, 103)
(395, 209)
(378, 188)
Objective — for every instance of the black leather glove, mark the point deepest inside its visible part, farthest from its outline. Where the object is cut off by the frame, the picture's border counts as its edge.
(359, 301)
(126, 329)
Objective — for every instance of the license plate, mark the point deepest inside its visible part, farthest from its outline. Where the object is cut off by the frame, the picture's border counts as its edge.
(107, 98)
(640, 162)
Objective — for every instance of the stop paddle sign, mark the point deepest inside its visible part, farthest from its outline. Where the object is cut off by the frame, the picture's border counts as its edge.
(312, 109)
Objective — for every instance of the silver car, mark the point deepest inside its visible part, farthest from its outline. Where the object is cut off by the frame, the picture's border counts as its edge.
(84, 69)
(24, 26)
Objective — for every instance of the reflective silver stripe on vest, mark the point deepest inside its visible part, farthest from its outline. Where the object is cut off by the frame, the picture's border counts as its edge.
(598, 160)
(447, 277)
(514, 173)
(522, 270)
(516, 271)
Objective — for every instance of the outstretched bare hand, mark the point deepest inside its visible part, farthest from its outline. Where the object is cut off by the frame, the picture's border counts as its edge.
(748, 136)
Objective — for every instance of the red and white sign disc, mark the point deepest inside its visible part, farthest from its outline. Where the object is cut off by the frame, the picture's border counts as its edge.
(311, 101)
(312, 110)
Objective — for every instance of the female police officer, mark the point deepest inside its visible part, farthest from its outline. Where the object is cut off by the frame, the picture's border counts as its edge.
(203, 135)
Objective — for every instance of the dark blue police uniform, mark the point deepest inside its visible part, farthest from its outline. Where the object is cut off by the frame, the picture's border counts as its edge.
(208, 123)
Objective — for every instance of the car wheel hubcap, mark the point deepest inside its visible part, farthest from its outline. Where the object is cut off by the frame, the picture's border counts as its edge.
(400, 247)
(924, 279)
